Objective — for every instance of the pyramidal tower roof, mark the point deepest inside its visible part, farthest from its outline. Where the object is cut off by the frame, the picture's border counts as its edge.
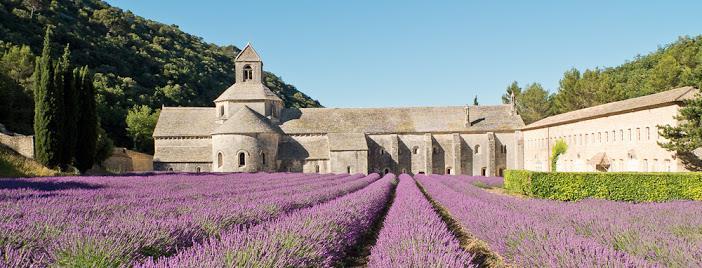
(248, 54)
(246, 121)
(253, 89)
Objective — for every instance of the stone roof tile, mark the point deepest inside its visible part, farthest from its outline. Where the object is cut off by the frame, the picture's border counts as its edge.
(246, 121)
(666, 97)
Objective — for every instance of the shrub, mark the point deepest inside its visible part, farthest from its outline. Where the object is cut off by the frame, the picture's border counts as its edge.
(631, 186)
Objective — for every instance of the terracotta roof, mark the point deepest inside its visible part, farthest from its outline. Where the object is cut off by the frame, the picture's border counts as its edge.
(185, 121)
(399, 120)
(246, 121)
(347, 142)
(183, 154)
(666, 97)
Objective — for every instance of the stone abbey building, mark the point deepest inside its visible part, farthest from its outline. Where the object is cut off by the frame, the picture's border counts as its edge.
(250, 130)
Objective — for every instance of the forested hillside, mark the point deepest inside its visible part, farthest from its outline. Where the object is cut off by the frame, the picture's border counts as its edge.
(136, 61)
(675, 65)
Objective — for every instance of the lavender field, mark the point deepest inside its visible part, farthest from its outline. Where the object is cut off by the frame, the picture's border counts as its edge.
(314, 220)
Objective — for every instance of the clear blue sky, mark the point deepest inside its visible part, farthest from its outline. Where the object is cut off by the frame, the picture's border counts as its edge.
(428, 53)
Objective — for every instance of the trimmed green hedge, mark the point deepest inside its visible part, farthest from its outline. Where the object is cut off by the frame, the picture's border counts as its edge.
(625, 186)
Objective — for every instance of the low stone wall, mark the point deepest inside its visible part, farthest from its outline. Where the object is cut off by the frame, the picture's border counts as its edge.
(24, 145)
(183, 167)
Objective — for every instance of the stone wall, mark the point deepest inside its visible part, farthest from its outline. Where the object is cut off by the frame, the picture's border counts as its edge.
(629, 141)
(24, 145)
(183, 167)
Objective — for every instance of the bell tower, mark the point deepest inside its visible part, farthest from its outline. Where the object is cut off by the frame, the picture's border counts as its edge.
(248, 90)
(248, 66)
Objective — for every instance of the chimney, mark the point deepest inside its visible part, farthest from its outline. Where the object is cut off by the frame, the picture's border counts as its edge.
(512, 104)
(466, 109)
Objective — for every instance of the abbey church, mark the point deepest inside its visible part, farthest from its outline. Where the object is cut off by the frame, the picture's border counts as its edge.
(250, 130)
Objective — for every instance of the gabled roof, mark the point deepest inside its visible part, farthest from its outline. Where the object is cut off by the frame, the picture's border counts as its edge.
(185, 122)
(347, 142)
(248, 91)
(246, 121)
(248, 54)
(399, 120)
(183, 154)
(308, 148)
(666, 97)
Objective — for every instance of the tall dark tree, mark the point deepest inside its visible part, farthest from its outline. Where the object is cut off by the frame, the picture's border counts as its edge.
(47, 114)
(87, 128)
(70, 104)
(475, 100)
(685, 139)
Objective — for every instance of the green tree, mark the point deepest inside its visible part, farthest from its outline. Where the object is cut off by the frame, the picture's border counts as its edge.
(512, 88)
(87, 125)
(533, 104)
(685, 139)
(475, 100)
(141, 121)
(70, 105)
(558, 149)
(47, 114)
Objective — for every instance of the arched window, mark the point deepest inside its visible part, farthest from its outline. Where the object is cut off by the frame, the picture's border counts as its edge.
(221, 111)
(198, 169)
(219, 159)
(242, 159)
(348, 169)
(477, 149)
(263, 158)
(170, 169)
(248, 73)
(316, 168)
(415, 149)
(448, 171)
(386, 171)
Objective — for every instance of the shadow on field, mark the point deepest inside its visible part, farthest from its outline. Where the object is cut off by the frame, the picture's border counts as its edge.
(10, 184)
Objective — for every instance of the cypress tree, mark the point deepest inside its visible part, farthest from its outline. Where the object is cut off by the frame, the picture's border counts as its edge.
(47, 117)
(86, 135)
(70, 104)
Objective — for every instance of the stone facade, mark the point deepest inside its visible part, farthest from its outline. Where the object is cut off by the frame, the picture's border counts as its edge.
(618, 136)
(249, 130)
(24, 145)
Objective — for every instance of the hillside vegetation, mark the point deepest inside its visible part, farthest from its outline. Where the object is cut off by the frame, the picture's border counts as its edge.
(14, 165)
(136, 61)
(674, 65)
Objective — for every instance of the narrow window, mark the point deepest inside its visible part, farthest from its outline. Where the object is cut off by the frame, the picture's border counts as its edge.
(242, 159)
(348, 169)
(386, 171)
(263, 158)
(219, 159)
(448, 171)
(648, 133)
(638, 134)
(629, 132)
(415, 149)
(197, 169)
(248, 73)
(316, 168)
(221, 111)
(483, 172)
(477, 149)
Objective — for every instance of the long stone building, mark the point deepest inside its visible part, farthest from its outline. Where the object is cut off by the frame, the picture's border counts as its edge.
(250, 130)
(617, 136)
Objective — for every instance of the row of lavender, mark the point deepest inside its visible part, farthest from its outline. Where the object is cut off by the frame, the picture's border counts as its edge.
(104, 221)
(589, 233)
(413, 234)
(319, 236)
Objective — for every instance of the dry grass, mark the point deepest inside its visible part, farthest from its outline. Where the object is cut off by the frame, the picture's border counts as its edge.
(483, 256)
(15, 165)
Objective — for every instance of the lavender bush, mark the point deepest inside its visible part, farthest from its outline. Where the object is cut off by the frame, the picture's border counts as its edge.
(317, 236)
(113, 221)
(589, 233)
(413, 235)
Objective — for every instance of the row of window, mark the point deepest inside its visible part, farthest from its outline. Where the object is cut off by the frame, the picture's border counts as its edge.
(241, 157)
(599, 137)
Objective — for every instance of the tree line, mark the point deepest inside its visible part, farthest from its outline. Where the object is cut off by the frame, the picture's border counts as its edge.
(65, 119)
(136, 62)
